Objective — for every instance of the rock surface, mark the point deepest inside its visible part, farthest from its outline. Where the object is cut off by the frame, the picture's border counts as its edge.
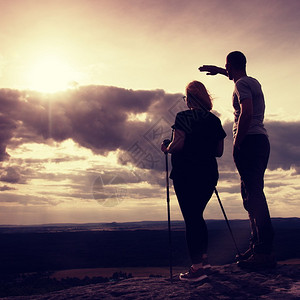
(225, 282)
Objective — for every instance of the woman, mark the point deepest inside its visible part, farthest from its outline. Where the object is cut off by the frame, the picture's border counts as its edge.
(198, 138)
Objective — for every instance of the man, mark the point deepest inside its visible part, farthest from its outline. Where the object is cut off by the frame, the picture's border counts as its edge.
(251, 151)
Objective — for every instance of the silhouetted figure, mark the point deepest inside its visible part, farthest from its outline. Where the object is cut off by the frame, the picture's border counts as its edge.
(198, 138)
(251, 151)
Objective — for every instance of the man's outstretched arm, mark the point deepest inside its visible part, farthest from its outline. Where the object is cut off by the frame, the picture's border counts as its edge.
(212, 70)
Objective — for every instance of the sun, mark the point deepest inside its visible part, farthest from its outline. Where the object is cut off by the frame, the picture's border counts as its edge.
(49, 74)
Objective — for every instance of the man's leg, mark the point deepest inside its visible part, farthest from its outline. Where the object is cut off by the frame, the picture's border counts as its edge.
(254, 237)
(251, 162)
(260, 218)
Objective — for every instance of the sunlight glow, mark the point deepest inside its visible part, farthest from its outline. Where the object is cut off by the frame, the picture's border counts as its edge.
(50, 73)
(142, 117)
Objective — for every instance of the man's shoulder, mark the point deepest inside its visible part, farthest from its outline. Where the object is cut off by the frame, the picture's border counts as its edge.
(247, 80)
(247, 83)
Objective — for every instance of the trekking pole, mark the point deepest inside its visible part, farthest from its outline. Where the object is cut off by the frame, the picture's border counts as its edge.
(227, 222)
(169, 217)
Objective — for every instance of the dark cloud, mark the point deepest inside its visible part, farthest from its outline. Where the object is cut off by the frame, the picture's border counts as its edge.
(285, 144)
(106, 119)
(95, 117)
(11, 175)
(65, 159)
(6, 188)
(7, 128)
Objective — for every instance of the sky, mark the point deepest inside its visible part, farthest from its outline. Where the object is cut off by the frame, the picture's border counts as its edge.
(90, 88)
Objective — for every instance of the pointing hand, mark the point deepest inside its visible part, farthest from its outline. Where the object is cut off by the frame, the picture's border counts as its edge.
(211, 70)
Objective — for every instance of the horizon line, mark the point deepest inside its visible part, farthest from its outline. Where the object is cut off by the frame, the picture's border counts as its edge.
(126, 222)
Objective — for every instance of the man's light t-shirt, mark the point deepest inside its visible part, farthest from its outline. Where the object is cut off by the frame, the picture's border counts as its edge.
(249, 88)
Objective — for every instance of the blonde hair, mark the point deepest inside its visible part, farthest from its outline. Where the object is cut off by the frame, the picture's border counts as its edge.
(199, 96)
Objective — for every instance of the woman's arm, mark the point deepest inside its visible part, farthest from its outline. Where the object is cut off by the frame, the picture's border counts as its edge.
(220, 148)
(176, 144)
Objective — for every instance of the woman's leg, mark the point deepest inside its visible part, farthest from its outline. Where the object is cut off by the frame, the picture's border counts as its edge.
(193, 197)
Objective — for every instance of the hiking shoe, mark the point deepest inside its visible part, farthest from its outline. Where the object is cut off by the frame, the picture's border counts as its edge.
(206, 265)
(245, 255)
(258, 261)
(193, 275)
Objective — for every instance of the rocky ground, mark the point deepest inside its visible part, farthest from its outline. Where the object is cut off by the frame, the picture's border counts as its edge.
(226, 282)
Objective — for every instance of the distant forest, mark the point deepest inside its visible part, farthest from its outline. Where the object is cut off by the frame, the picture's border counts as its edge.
(137, 244)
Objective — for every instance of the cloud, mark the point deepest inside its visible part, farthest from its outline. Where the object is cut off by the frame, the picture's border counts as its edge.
(6, 188)
(105, 119)
(11, 175)
(27, 200)
(7, 127)
(285, 144)
(96, 117)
